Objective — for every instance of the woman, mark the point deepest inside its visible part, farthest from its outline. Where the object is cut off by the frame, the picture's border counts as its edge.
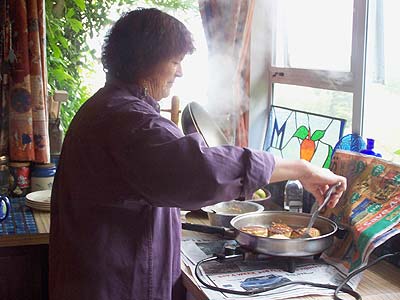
(125, 171)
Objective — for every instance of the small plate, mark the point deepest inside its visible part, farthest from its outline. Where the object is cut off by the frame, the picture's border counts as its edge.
(40, 197)
(44, 208)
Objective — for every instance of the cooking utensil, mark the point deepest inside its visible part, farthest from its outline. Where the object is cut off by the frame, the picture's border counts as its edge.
(284, 247)
(196, 119)
(222, 213)
(315, 214)
(277, 247)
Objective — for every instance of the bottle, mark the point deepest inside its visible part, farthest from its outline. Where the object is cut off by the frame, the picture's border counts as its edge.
(370, 149)
(56, 135)
(293, 196)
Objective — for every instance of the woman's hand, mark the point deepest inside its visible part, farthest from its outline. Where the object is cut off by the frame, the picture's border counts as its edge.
(318, 180)
(314, 179)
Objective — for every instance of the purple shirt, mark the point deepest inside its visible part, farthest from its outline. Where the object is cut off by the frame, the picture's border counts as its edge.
(123, 176)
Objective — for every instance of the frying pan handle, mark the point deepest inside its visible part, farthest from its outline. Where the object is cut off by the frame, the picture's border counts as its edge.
(342, 232)
(205, 228)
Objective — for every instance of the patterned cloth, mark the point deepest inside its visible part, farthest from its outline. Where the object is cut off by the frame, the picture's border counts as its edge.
(24, 81)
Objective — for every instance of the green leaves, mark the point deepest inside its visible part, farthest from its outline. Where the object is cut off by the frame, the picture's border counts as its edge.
(302, 132)
(76, 25)
(81, 4)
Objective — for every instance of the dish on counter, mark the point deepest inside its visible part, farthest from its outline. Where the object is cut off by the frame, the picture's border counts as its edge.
(39, 200)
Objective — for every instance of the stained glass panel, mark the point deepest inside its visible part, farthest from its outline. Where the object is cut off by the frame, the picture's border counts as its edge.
(298, 134)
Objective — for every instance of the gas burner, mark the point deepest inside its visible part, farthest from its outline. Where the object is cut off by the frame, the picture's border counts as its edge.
(285, 263)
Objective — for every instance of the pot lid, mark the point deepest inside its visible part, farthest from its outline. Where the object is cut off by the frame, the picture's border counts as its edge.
(196, 119)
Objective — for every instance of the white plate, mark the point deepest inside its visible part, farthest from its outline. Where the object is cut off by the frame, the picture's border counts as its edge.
(38, 207)
(40, 197)
(30, 203)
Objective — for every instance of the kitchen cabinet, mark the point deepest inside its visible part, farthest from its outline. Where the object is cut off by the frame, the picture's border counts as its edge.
(23, 272)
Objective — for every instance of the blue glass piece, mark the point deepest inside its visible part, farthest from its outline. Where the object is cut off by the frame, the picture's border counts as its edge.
(369, 150)
(350, 142)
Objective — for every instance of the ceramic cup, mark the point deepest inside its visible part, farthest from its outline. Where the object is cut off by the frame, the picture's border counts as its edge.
(4, 207)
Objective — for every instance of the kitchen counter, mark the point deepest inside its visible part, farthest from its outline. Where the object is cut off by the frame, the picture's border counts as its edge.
(42, 219)
(381, 282)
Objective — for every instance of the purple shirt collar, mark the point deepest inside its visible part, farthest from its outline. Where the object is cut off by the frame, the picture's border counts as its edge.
(135, 90)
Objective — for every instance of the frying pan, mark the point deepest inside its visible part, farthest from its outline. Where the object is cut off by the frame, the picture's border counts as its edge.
(196, 119)
(270, 246)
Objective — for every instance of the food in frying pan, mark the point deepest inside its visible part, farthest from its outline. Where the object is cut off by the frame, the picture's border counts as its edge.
(257, 230)
(279, 236)
(280, 228)
(298, 233)
(279, 231)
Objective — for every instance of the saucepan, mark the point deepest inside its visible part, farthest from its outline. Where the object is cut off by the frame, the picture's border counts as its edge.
(222, 213)
(270, 246)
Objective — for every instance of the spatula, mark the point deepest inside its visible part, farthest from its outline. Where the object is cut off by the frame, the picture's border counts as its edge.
(315, 214)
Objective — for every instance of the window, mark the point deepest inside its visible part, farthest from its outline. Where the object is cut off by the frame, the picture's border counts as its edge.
(334, 57)
(382, 80)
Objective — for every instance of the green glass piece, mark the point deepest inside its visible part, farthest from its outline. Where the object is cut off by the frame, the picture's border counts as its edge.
(328, 160)
(317, 135)
(301, 132)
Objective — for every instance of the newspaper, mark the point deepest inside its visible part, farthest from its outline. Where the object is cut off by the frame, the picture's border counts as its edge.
(369, 210)
(245, 275)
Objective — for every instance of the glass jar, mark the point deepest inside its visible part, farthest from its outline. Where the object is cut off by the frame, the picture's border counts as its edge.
(6, 181)
(42, 177)
(21, 174)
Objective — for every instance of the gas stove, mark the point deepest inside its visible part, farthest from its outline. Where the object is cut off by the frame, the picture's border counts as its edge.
(232, 250)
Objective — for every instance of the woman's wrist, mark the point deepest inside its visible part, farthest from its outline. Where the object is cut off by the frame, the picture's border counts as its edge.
(286, 169)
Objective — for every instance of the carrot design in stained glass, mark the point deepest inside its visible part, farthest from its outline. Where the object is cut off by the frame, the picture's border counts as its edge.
(307, 145)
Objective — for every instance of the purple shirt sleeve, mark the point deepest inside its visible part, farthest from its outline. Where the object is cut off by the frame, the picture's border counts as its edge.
(181, 171)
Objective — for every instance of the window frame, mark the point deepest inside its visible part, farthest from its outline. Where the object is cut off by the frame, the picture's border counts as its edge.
(352, 81)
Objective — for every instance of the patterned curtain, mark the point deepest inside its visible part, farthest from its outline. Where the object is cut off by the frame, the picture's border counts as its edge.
(24, 81)
(227, 27)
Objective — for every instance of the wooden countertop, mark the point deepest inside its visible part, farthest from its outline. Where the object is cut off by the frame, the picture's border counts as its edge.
(380, 282)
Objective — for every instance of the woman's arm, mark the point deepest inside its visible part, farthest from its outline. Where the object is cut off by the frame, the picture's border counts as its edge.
(315, 180)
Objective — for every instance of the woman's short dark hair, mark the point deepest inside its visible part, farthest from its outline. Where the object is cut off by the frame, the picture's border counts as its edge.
(140, 40)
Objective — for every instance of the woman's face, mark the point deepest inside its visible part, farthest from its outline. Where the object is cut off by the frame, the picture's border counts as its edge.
(160, 83)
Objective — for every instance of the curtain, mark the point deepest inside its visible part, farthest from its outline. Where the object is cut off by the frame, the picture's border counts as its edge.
(24, 81)
(227, 27)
